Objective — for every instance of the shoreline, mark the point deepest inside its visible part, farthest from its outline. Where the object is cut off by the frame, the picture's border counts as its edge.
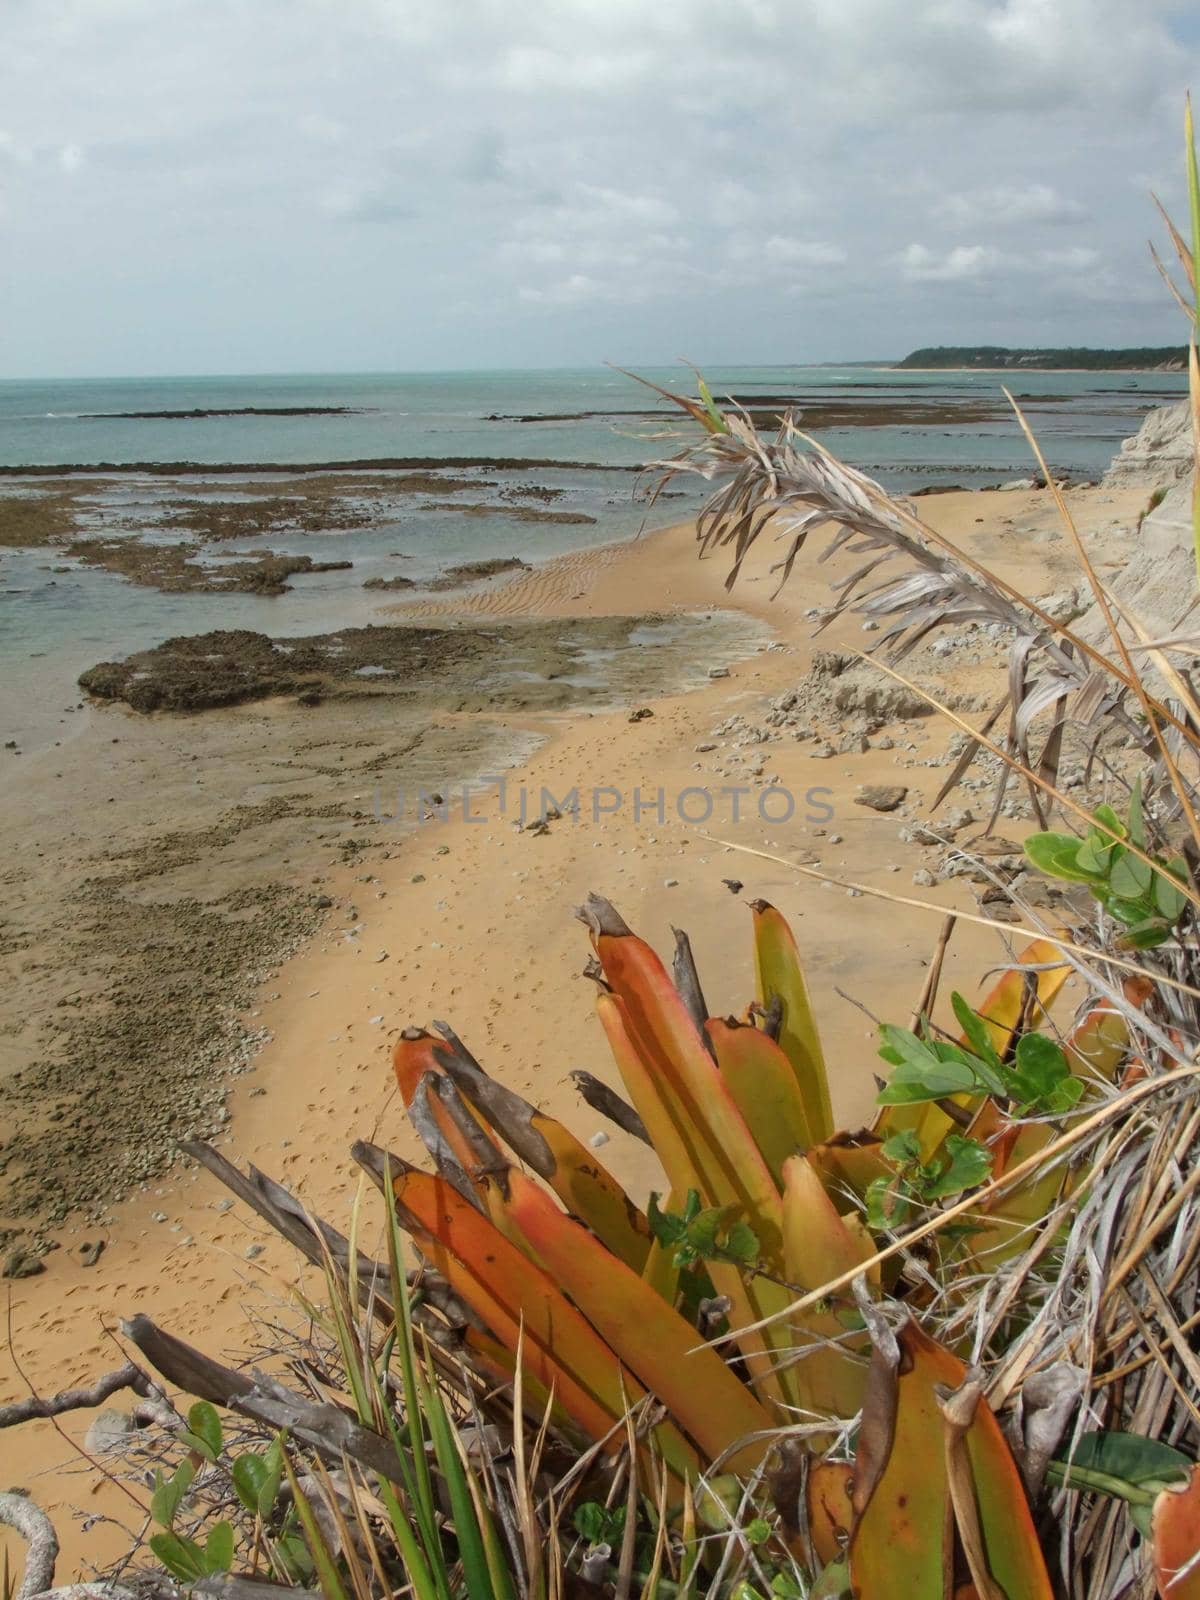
(175, 469)
(470, 920)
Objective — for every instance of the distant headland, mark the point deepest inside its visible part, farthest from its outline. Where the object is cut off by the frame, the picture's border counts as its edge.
(1166, 359)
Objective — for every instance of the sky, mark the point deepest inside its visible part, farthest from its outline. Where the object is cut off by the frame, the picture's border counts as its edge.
(196, 186)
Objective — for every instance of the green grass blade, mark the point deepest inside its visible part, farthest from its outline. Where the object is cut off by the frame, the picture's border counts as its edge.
(330, 1580)
(1193, 181)
(471, 1549)
(406, 1352)
(428, 1582)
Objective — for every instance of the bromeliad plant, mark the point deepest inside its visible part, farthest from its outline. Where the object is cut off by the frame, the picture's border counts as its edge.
(678, 1327)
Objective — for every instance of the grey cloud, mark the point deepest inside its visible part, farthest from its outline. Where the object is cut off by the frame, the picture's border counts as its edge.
(478, 184)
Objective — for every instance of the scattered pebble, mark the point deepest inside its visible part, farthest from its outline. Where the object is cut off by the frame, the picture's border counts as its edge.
(881, 796)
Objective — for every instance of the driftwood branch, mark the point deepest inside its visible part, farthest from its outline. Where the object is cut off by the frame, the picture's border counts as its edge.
(230, 1586)
(41, 1541)
(130, 1376)
(609, 1104)
(100, 1590)
(327, 1429)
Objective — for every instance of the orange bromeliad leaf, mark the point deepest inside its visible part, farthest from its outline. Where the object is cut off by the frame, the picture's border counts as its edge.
(1004, 1005)
(653, 1341)
(1100, 1042)
(1009, 1216)
(764, 1089)
(1175, 1534)
(847, 1165)
(818, 1247)
(780, 975)
(992, 1490)
(675, 1141)
(915, 1445)
(901, 1547)
(413, 1057)
(666, 1137)
(519, 1302)
(584, 1186)
(675, 1085)
(829, 1509)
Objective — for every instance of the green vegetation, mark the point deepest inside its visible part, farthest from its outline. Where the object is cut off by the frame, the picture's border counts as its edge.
(994, 355)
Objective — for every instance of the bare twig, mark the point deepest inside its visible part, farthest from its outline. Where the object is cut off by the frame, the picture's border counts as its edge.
(130, 1376)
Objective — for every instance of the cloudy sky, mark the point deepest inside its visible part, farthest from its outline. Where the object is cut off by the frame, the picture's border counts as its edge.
(308, 185)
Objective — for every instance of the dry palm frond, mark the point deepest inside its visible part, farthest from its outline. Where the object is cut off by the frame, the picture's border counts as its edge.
(793, 486)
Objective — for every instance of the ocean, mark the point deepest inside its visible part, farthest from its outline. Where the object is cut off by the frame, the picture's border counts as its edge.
(566, 441)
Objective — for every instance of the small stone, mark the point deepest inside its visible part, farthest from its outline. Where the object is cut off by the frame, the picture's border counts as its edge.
(923, 878)
(599, 1139)
(881, 796)
(640, 714)
(253, 1251)
(734, 885)
(110, 1432)
(323, 902)
(823, 752)
(256, 1091)
(670, 883)
(417, 877)
(89, 1254)
(718, 672)
(703, 749)
(158, 1216)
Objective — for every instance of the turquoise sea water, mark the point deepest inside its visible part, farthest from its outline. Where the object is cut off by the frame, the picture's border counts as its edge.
(54, 623)
(1080, 417)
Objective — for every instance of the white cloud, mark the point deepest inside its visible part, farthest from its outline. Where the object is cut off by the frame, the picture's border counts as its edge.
(572, 291)
(1078, 258)
(781, 251)
(1007, 206)
(964, 261)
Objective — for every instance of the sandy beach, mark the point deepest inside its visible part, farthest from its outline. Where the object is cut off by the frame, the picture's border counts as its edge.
(468, 918)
